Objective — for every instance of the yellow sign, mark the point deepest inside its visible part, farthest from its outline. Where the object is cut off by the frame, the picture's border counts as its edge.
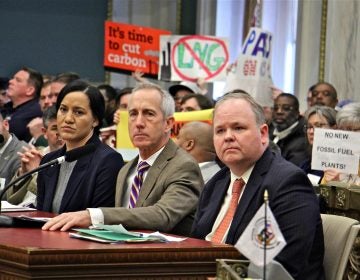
(127, 149)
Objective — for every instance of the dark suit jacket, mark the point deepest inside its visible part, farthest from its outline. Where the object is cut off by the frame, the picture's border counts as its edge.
(168, 196)
(293, 202)
(91, 184)
(294, 146)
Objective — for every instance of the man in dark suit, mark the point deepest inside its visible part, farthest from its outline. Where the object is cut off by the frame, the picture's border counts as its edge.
(24, 91)
(241, 142)
(288, 131)
(171, 186)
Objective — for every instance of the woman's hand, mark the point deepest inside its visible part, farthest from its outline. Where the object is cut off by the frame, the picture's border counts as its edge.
(30, 159)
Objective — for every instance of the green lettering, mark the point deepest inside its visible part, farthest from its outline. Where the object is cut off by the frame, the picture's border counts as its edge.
(181, 63)
(218, 60)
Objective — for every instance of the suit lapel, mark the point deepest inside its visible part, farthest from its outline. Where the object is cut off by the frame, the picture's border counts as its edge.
(121, 183)
(249, 196)
(7, 155)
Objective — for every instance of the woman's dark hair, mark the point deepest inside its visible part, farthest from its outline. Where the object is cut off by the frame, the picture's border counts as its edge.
(96, 100)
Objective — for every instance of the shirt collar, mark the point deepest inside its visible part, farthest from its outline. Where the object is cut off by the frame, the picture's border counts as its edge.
(150, 160)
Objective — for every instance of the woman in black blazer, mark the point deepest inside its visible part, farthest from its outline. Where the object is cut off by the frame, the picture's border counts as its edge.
(89, 181)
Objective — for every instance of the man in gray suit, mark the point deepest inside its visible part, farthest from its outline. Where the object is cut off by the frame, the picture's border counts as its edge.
(171, 185)
(9, 159)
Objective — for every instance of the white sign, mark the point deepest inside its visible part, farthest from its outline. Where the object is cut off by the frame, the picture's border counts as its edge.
(336, 149)
(187, 58)
(252, 70)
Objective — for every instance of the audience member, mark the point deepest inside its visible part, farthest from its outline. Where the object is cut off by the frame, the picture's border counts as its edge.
(90, 180)
(324, 94)
(122, 99)
(179, 91)
(172, 180)
(108, 134)
(59, 81)
(36, 126)
(195, 102)
(196, 138)
(46, 98)
(109, 93)
(348, 118)
(24, 91)
(309, 97)
(288, 131)
(316, 117)
(9, 146)
(241, 142)
(25, 192)
(5, 102)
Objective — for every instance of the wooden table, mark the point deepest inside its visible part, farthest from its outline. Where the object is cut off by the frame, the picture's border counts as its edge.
(27, 253)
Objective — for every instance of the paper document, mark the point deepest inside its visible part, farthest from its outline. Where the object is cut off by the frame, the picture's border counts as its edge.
(118, 234)
(7, 207)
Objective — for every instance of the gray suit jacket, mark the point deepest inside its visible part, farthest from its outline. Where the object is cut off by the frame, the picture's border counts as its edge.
(168, 196)
(9, 159)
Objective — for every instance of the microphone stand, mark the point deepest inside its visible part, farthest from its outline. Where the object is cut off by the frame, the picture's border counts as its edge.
(266, 201)
(8, 221)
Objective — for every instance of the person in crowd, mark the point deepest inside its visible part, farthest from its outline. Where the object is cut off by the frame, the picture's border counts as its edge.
(157, 190)
(309, 97)
(109, 93)
(316, 117)
(24, 91)
(46, 99)
(232, 197)
(196, 138)
(180, 90)
(5, 102)
(348, 118)
(195, 102)
(90, 180)
(58, 82)
(9, 146)
(122, 98)
(36, 126)
(288, 131)
(324, 94)
(25, 192)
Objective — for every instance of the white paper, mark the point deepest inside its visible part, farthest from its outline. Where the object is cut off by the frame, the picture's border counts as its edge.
(7, 207)
(336, 149)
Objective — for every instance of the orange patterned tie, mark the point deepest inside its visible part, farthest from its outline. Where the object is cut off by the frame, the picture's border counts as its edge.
(225, 223)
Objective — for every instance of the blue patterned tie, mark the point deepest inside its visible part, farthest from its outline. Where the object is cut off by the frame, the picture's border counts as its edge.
(137, 183)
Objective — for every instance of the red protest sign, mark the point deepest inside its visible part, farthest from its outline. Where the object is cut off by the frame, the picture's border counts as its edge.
(131, 47)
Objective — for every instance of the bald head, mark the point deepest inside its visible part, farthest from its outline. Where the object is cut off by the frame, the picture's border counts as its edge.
(197, 139)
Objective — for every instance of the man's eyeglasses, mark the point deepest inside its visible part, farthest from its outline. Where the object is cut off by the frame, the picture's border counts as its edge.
(316, 125)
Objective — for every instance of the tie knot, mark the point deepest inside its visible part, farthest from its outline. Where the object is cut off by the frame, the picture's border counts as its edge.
(143, 166)
(238, 185)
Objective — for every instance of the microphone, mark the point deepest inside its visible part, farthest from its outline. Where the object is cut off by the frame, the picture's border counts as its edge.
(69, 156)
(2, 139)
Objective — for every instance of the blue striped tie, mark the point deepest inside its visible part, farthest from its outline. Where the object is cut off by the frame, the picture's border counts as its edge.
(137, 183)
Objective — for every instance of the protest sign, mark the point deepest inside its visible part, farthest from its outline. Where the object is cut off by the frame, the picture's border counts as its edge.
(131, 47)
(337, 149)
(124, 144)
(187, 58)
(252, 70)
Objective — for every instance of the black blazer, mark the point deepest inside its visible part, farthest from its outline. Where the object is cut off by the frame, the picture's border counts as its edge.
(293, 202)
(91, 184)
